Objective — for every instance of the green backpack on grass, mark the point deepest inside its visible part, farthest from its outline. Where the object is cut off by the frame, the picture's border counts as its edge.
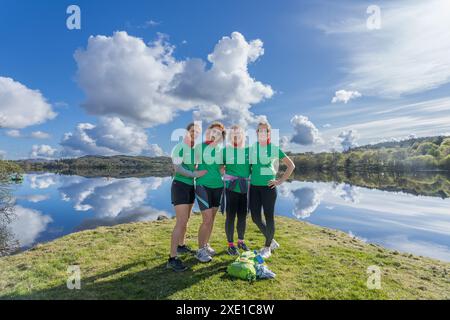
(244, 267)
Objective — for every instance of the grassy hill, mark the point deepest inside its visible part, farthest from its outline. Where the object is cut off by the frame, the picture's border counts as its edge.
(128, 262)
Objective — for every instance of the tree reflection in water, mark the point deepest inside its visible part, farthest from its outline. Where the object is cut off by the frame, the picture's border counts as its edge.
(7, 242)
(434, 184)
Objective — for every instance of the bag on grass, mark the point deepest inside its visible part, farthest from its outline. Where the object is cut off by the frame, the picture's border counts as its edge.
(247, 256)
(244, 270)
(263, 272)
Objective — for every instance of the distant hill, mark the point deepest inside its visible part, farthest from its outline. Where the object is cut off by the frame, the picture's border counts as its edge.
(102, 165)
(429, 153)
(437, 140)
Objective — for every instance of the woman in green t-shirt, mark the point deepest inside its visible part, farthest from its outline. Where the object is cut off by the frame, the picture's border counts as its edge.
(209, 188)
(237, 173)
(263, 194)
(183, 194)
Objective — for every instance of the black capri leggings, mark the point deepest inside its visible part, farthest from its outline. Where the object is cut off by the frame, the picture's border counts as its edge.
(236, 206)
(263, 198)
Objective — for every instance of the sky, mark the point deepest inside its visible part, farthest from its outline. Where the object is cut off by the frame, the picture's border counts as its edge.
(326, 74)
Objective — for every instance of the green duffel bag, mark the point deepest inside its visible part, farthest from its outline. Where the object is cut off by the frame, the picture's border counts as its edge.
(246, 256)
(242, 270)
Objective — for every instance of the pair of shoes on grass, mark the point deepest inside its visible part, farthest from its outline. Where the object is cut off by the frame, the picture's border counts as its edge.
(206, 253)
(233, 251)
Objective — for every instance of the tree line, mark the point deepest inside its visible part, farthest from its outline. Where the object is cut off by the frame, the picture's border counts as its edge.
(404, 156)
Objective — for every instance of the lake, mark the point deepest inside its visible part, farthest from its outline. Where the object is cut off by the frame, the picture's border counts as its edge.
(411, 216)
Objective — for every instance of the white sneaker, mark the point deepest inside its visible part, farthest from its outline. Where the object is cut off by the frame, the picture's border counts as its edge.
(265, 253)
(274, 245)
(203, 255)
(210, 250)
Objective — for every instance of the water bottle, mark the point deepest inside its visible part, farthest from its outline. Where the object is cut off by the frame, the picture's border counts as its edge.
(258, 257)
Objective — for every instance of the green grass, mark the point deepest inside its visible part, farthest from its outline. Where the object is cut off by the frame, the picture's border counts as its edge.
(128, 262)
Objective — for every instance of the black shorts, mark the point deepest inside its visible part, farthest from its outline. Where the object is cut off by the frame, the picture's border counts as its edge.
(182, 193)
(208, 198)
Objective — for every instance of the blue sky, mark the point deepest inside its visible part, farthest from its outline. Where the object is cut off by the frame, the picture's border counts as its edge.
(284, 60)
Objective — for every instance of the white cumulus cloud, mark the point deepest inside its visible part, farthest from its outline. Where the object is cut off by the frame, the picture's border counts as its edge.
(42, 151)
(154, 150)
(347, 192)
(348, 139)
(43, 181)
(143, 83)
(305, 132)
(345, 96)
(208, 113)
(122, 76)
(110, 137)
(284, 142)
(227, 84)
(306, 199)
(21, 107)
(108, 198)
(28, 224)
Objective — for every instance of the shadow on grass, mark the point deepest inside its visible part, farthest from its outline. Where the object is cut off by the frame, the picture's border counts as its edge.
(154, 283)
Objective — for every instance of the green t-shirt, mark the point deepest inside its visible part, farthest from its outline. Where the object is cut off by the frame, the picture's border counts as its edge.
(184, 155)
(262, 159)
(237, 163)
(209, 157)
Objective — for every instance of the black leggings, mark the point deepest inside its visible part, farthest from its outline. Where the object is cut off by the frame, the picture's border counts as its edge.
(263, 198)
(236, 206)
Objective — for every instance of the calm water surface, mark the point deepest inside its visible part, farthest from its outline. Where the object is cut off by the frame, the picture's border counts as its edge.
(48, 206)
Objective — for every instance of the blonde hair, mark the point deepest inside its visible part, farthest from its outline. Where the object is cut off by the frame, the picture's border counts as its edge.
(235, 127)
(217, 124)
(266, 124)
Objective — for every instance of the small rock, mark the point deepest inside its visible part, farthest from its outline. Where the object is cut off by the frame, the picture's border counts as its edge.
(162, 217)
(422, 288)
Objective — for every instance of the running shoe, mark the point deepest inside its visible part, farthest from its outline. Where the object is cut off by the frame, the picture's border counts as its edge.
(233, 251)
(211, 251)
(274, 245)
(176, 265)
(203, 255)
(265, 253)
(184, 249)
(243, 246)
